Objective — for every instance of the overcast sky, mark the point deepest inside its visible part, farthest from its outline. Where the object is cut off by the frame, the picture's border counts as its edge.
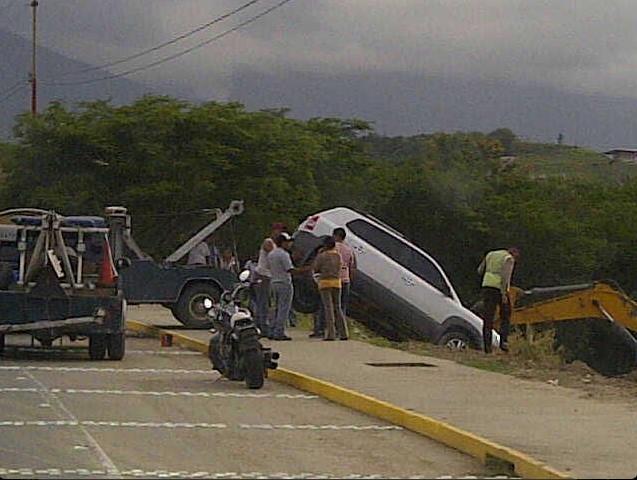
(580, 46)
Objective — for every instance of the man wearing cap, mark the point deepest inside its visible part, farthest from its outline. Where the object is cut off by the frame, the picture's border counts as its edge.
(200, 255)
(496, 269)
(281, 269)
(262, 280)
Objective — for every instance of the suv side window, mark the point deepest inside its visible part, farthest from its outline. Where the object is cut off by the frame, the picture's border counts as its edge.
(406, 256)
(422, 266)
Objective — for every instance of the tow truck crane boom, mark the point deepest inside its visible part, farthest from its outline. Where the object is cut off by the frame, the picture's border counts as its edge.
(235, 208)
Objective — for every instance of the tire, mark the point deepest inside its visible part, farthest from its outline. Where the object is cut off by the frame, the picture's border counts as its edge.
(612, 351)
(456, 340)
(306, 297)
(305, 304)
(606, 348)
(6, 276)
(254, 371)
(97, 347)
(213, 354)
(2, 344)
(116, 346)
(189, 308)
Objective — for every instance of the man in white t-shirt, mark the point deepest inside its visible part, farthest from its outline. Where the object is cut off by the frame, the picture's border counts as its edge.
(262, 280)
(200, 255)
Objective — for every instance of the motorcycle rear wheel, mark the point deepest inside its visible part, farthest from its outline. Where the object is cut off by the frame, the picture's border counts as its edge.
(254, 370)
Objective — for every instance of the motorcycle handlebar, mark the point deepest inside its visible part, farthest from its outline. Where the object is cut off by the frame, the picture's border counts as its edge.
(238, 288)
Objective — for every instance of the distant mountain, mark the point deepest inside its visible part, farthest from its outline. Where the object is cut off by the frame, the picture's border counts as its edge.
(15, 65)
(406, 104)
(397, 103)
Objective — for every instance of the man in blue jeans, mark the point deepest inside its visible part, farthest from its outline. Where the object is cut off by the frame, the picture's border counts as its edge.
(281, 269)
(262, 280)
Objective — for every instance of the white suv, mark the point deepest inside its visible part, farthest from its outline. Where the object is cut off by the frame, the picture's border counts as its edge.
(398, 286)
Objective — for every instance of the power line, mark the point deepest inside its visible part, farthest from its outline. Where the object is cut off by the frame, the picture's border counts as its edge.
(19, 82)
(10, 92)
(6, 7)
(169, 42)
(176, 55)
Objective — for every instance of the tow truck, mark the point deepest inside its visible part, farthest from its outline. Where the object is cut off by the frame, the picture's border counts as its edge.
(57, 279)
(73, 277)
(184, 289)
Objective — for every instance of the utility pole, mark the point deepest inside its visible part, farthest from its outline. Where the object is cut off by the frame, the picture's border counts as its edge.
(33, 77)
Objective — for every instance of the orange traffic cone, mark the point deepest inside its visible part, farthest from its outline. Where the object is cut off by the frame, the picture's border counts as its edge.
(108, 273)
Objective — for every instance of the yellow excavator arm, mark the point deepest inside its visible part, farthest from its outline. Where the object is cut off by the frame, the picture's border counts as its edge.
(600, 300)
(613, 347)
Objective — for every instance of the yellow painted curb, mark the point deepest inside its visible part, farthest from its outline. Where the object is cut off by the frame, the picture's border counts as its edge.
(466, 442)
(177, 338)
(478, 447)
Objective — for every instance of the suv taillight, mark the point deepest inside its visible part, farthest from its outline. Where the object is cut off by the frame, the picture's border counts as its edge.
(311, 222)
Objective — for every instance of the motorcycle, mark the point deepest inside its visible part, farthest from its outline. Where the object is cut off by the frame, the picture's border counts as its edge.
(234, 349)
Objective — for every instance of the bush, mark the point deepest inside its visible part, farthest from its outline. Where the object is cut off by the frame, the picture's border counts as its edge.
(538, 350)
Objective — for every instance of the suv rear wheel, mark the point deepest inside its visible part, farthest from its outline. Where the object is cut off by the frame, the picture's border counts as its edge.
(456, 340)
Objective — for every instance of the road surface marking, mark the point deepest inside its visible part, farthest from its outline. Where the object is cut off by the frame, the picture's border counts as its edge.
(134, 424)
(60, 472)
(51, 398)
(320, 427)
(79, 391)
(161, 352)
(104, 370)
(73, 350)
(107, 423)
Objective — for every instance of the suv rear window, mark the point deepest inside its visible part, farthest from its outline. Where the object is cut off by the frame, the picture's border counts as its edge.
(401, 253)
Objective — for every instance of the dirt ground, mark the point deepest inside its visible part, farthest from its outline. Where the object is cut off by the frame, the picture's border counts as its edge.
(576, 375)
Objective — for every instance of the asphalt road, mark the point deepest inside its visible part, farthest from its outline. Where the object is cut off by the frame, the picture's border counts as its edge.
(163, 413)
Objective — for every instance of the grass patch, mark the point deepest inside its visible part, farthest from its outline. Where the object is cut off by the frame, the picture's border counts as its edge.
(304, 321)
(488, 364)
(536, 350)
(358, 331)
(571, 162)
(526, 353)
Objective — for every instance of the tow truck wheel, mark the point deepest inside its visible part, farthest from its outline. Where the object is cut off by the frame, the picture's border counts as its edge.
(190, 308)
(116, 346)
(97, 347)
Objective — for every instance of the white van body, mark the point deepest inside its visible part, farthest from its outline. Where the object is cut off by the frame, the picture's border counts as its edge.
(399, 277)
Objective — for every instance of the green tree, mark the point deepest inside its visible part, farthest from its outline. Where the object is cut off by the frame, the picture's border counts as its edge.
(167, 160)
(506, 138)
